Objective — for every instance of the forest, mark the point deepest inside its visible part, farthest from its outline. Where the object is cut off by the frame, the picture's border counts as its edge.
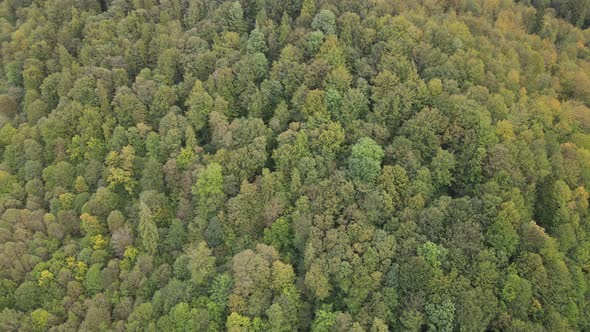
(295, 165)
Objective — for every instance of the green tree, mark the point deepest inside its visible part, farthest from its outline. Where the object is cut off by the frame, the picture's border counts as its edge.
(201, 264)
(208, 190)
(8, 107)
(148, 229)
(441, 315)
(93, 282)
(364, 162)
(324, 320)
(325, 21)
(200, 105)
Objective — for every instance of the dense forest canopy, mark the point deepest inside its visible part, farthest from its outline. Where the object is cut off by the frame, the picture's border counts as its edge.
(285, 165)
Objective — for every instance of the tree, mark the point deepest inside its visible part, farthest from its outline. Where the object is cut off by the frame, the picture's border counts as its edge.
(167, 68)
(432, 253)
(127, 107)
(208, 190)
(59, 175)
(324, 320)
(501, 234)
(164, 98)
(251, 294)
(121, 169)
(325, 21)
(314, 106)
(148, 230)
(516, 293)
(93, 280)
(441, 315)
(200, 105)
(238, 323)
(430, 165)
(256, 42)
(201, 264)
(40, 319)
(318, 282)
(364, 162)
(151, 178)
(7, 288)
(26, 296)
(142, 318)
(442, 167)
(308, 9)
(331, 51)
(8, 107)
(245, 212)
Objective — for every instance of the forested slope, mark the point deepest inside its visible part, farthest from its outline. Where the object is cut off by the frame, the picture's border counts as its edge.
(270, 165)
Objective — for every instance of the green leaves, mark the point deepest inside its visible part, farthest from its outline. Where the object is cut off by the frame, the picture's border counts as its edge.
(429, 165)
(432, 253)
(364, 162)
(201, 264)
(209, 190)
(148, 229)
(325, 21)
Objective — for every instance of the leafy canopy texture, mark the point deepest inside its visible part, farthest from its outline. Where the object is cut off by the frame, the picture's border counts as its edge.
(294, 165)
(365, 160)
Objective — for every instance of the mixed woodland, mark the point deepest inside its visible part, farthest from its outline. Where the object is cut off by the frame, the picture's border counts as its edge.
(294, 165)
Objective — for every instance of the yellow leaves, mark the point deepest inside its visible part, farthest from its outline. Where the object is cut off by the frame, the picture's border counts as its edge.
(99, 242)
(185, 158)
(91, 224)
(505, 129)
(330, 138)
(49, 218)
(580, 198)
(89, 219)
(238, 323)
(130, 252)
(45, 278)
(128, 257)
(580, 113)
(536, 307)
(360, 233)
(40, 319)
(67, 201)
(80, 185)
(120, 176)
(510, 23)
(70, 261)
(376, 277)
(545, 109)
(143, 129)
(121, 169)
(75, 150)
(19, 40)
(435, 87)
(460, 30)
(417, 201)
(78, 268)
(308, 8)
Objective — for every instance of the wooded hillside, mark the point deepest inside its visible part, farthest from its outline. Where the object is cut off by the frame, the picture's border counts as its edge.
(286, 165)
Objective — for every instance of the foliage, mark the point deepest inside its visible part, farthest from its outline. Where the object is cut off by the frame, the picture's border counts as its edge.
(295, 165)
